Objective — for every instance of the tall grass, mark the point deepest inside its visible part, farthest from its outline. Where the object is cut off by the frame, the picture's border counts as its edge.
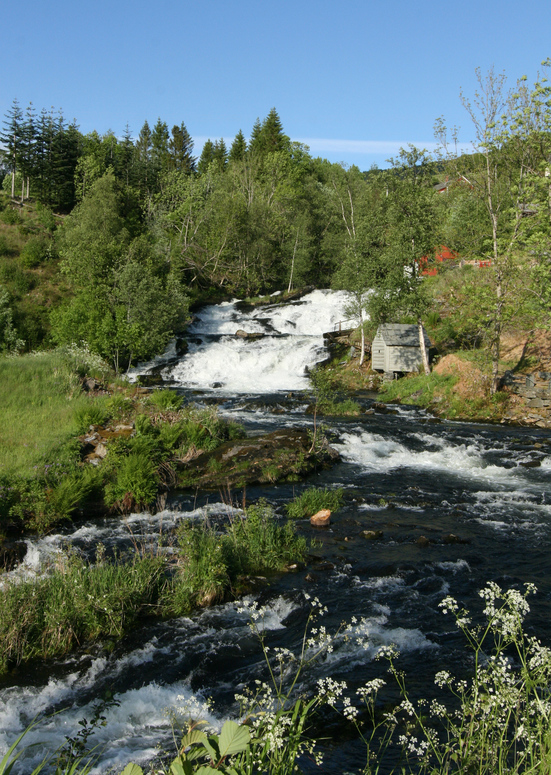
(212, 562)
(76, 603)
(38, 396)
(313, 500)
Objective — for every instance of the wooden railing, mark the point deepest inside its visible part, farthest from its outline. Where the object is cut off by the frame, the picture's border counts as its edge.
(338, 326)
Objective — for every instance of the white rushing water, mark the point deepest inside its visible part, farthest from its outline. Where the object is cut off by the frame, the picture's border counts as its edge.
(292, 339)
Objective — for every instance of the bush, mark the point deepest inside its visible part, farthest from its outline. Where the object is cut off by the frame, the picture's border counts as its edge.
(10, 217)
(256, 543)
(34, 252)
(313, 500)
(95, 413)
(135, 485)
(166, 400)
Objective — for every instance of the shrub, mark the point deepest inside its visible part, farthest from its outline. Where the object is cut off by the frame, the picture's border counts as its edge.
(135, 484)
(95, 413)
(34, 252)
(256, 543)
(313, 500)
(10, 216)
(166, 399)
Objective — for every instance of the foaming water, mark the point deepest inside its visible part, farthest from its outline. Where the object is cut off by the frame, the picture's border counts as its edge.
(292, 339)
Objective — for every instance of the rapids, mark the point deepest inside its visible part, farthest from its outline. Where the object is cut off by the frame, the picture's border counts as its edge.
(456, 503)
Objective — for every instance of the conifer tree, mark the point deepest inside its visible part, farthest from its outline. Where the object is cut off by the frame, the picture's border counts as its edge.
(272, 136)
(12, 139)
(220, 154)
(238, 148)
(180, 148)
(207, 156)
(255, 141)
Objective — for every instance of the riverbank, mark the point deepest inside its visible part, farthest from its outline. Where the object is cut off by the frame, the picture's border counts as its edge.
(458, 387)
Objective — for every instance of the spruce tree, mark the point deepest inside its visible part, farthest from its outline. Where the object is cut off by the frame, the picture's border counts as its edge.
(220, 154)
(272, 136)
(255, 141)
(180, 148)
(207, 156)
(12, 139)
(238, 148)
(159, 147)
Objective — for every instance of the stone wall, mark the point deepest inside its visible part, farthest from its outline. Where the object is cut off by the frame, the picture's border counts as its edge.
(535, 389)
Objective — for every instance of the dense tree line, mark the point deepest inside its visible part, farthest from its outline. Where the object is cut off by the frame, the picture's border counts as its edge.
(150, 223)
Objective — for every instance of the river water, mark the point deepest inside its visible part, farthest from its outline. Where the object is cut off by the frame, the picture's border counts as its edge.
(457, 504)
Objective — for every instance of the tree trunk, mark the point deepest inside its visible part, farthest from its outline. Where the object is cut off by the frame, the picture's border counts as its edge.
(362, 335)
(293, 265)
(496, 344)
(424, 354)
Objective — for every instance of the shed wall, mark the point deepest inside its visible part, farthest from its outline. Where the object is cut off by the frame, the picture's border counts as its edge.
(404, 358)
(378, 353)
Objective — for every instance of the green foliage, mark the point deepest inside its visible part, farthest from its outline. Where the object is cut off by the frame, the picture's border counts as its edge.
(49, 616)
(135, 484)
(256, 543)
(94, 412)
(9, 341)
(313, 500)
(166, 400)
(10, 217)
(203, 575)
(211, 562)
(34, 252)
(72, 491)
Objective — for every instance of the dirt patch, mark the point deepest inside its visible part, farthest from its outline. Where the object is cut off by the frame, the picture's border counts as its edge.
(534, 347)
(471, 381)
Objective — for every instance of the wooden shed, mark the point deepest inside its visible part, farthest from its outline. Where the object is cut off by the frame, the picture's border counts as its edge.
(396, 348)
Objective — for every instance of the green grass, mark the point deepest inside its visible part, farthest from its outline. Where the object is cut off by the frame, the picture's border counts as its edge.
(39, 395)
(420, 390)
(77, 603)
(313, 500)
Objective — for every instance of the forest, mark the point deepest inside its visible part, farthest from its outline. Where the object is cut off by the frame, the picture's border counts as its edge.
(108, 240)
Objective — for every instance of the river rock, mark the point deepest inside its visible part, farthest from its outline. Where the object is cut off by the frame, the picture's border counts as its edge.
(423, 541)
(311, 578)
(372, 535)
(101, 450)
(321, 518)
(451, 538)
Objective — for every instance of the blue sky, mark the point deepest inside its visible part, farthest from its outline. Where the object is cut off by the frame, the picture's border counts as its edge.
(354, 80)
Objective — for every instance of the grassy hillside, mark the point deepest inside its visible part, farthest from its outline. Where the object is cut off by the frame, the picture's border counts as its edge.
(29, 267)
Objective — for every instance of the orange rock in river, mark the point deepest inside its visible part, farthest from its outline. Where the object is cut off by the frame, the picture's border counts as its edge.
(321, 519)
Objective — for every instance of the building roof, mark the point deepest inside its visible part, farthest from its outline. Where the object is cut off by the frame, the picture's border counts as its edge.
(401, 335)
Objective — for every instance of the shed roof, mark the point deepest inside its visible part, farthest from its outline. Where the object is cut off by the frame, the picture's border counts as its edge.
(402, 335)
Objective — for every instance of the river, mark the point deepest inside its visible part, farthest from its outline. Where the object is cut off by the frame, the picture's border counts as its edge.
(457, 504)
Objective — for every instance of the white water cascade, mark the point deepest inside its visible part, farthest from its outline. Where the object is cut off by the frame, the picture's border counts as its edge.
(291, 340)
